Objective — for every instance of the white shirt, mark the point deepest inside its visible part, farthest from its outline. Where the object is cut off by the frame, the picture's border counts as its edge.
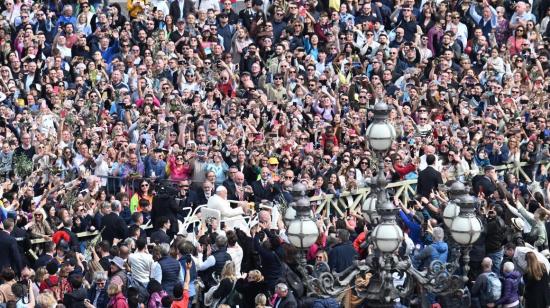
(236, 254)
(141, 264)
(423, 165)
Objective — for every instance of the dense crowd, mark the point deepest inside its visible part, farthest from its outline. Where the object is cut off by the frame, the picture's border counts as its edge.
(128, 122)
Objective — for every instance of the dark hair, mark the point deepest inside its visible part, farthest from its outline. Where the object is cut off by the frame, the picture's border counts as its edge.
(153, 286)
(136, 215)
(178, 290)
(430, 159)
(76, 281)
(8, 273)
(52, 267)
(162, 220)
(231, 237)
(141, 243)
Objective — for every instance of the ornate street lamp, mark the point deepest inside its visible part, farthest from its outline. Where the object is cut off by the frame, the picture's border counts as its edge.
(450, 212)
(302, 231)
(455, 191)
(380, 134)
(387, 236)
(466, 227)
(369, 209)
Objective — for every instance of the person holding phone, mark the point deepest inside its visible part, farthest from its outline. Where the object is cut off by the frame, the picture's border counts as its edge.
(181, 292)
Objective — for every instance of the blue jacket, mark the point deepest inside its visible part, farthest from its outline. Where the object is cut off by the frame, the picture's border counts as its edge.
(435, 251)
(510, 288)
(341, 256)
(414, 227)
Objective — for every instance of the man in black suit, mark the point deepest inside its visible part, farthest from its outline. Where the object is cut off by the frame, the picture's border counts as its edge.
(231, 176)
(485, 183)
(10, 256)
(114, 225)
(429, 178)
(265, 188)
(238, 189)
(160, 236)
(180, 9)
(47, 256)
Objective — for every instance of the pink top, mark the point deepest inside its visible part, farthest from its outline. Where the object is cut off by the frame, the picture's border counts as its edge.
(178, 173)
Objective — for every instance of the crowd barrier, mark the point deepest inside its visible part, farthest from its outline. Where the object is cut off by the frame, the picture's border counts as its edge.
(325, 204)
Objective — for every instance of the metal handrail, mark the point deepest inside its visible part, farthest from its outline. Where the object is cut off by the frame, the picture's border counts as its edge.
(329, 204)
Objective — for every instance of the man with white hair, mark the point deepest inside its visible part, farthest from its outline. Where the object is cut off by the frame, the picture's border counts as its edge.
(521, 16)
(429, 149)
(285, 298)
(233, 217)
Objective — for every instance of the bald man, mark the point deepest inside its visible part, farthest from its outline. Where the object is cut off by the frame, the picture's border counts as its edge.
(429, 149)
(238, 189)
(487, 279)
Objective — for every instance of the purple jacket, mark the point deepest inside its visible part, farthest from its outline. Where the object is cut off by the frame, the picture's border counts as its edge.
(510, 290)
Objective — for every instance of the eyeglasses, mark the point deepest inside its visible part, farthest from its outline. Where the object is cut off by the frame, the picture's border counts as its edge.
(319, 257)
(278, 78)
(144, 185)
(387, 160)
(179, 158)
(100, 283)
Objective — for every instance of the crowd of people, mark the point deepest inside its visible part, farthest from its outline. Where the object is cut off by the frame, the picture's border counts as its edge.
(120, 122)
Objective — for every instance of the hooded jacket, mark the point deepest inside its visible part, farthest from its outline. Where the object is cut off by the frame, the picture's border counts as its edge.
(436, 251)
(510, 288)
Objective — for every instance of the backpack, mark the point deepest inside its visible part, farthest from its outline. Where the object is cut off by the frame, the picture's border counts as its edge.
(494, 288)
(292, 281)
(134, 283)
(234, 298)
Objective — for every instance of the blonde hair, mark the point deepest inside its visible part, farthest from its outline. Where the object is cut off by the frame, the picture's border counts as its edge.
(255, 275)
(228, 271)
(260, 300)
(42, 212)
(46, 299)
(114, 289)
(534, 267)
(41, 274)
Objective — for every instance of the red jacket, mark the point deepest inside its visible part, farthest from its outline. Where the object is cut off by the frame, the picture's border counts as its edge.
(404, 170)
(362, 237)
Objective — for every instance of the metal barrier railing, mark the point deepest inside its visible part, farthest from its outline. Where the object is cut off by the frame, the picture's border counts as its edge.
(326, 204)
